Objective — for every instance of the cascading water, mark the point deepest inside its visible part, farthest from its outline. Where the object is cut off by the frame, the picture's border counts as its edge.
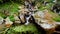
(29, 7)
(27, 20)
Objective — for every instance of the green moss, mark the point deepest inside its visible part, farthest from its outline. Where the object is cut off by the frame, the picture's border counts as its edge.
(11, 17)
(55, 16)
(23, 28)
(9, 6)
(57, 19)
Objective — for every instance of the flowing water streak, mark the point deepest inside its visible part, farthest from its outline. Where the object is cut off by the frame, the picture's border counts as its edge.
(27, 20)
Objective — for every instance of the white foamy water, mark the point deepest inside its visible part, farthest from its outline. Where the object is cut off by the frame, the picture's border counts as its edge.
(54, 1)
(27, 18)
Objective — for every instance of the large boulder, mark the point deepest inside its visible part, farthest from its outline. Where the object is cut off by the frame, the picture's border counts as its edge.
(38, 16)
(48, 16)
(44, 19)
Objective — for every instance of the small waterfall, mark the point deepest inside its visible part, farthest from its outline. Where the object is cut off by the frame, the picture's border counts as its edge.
(29, 7)
(27, 20)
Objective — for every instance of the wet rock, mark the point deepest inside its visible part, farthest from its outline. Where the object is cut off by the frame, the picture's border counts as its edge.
(22, 14)
(23, 11)
(22, 18)
(26, 4)
(38, 16)
(21, 7)
(1, 20)
(48, 16)
(58, 23)
(8, 23)
(47, 26)
(17, 20)
(44, 19)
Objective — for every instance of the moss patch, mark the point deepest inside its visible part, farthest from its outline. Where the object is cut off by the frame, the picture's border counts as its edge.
(10, 7)
(23, 28)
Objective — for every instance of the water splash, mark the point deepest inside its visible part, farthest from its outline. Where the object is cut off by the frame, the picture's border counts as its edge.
(27, 20)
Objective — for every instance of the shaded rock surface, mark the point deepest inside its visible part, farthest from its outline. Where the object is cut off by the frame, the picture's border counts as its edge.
(1, 20)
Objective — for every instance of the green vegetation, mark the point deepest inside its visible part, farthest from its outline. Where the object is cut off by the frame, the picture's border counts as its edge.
(12, 8)
(55, 16)
(9, 7)
(12, 18)
(23, 28)
(57, 19)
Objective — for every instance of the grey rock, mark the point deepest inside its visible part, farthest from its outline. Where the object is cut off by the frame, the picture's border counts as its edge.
(1, 20)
